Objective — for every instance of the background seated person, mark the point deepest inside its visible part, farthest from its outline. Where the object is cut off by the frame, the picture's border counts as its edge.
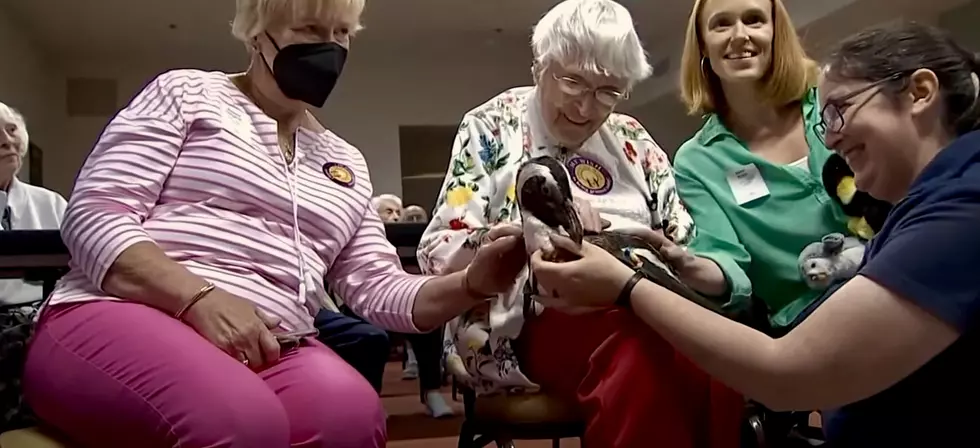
(22, 207)
(414, 213)
(201, 228)
(762, 111)
(634, 389)
(893, 351)
(423, 352)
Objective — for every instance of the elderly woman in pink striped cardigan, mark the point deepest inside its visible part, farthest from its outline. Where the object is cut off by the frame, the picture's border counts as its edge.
(201, 228)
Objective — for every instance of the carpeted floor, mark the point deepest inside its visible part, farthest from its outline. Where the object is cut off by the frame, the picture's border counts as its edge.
(410, 427)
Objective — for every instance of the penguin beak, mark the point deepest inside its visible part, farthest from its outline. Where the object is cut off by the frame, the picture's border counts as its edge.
(571, 222)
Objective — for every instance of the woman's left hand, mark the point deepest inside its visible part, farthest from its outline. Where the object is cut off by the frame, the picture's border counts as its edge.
(593, 280)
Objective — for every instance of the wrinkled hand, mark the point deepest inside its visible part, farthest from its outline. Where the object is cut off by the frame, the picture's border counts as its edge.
(236, 326)
(677, 256)
(498, 261)
(591, 221)
(595, 279)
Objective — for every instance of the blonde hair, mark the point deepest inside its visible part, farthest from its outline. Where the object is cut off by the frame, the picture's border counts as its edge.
(594, 35)
(10, 115)
(790, 75)
(252, 17)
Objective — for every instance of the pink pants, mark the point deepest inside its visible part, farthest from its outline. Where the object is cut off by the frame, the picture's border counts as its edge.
(126, 375)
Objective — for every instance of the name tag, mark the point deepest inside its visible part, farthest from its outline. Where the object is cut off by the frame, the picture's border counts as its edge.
(747, 184)
(238, 122)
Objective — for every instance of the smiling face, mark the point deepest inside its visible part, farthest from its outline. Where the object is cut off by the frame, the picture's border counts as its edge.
(574, 103)
(877, 132)
(737, 37)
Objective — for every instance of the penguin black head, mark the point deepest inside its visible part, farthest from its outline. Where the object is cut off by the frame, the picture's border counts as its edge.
(544, 192)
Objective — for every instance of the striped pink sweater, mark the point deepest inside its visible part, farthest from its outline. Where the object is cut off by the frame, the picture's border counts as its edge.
(194, 166)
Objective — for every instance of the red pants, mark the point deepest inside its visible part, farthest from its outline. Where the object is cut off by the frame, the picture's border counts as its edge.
(635, 390)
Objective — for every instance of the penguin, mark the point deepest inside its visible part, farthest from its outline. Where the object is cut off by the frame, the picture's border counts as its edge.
(545, 202)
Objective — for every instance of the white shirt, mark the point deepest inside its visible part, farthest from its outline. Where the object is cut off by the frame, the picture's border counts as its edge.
(619, 170)
(31, 208)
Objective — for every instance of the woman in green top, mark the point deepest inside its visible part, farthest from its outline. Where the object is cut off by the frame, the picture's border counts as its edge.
(751, 177)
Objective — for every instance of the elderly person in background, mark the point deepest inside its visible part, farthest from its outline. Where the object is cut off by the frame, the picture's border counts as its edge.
(633, 388)
(423, 352)
(389, 207)
(201, 228)
(23, 207)
(414, 213)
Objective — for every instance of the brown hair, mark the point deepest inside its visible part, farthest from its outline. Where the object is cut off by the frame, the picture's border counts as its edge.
(789, 77)
(897, 50)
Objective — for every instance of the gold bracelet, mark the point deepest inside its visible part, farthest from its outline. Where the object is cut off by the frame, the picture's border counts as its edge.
(197, 297)
(468, 290)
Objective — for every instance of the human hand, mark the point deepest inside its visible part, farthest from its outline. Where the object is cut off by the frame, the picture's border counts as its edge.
(675, 255)
(591, 221)
(593, 280)
(236, 326)
(497, 262)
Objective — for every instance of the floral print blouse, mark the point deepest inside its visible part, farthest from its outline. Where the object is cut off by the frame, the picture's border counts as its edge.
(620, 170)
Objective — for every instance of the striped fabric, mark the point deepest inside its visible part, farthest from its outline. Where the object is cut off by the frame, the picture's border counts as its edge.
(194, 166)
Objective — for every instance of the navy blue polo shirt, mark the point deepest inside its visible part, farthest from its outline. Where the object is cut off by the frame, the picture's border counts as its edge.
(928, 252)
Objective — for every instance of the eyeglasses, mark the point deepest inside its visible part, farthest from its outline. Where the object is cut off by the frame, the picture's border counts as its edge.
(606, 96)
(832, 117)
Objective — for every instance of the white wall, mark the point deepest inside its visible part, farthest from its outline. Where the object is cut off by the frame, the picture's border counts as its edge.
(962, 24)
(377, 93)
(374, 97)
(29, 84)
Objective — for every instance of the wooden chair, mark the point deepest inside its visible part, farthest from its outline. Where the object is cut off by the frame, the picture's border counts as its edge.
(501, 419)
(32, 438)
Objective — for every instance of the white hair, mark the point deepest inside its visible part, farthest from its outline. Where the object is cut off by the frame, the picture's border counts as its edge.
(593, 35)
(377, 201)
(252, 17)
(10, 115)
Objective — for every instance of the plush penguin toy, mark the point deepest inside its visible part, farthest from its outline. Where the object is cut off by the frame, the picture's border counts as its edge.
(834, 258)
(866, 213)
(544, 198)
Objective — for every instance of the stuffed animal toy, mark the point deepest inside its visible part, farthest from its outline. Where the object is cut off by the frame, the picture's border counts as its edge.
(866, 213)
(834, 258)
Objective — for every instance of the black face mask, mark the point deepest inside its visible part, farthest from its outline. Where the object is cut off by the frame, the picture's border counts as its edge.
(308, 72)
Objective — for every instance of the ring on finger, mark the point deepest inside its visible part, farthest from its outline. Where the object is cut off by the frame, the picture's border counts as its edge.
(242, 358)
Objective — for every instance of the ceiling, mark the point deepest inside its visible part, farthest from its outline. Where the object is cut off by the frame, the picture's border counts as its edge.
(135, 28)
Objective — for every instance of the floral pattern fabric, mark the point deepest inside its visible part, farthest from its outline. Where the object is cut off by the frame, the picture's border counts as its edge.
(620, 170)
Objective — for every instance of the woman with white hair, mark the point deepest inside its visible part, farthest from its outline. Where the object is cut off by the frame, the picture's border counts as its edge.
(22, 207)
(201, 228)
(633, 389)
